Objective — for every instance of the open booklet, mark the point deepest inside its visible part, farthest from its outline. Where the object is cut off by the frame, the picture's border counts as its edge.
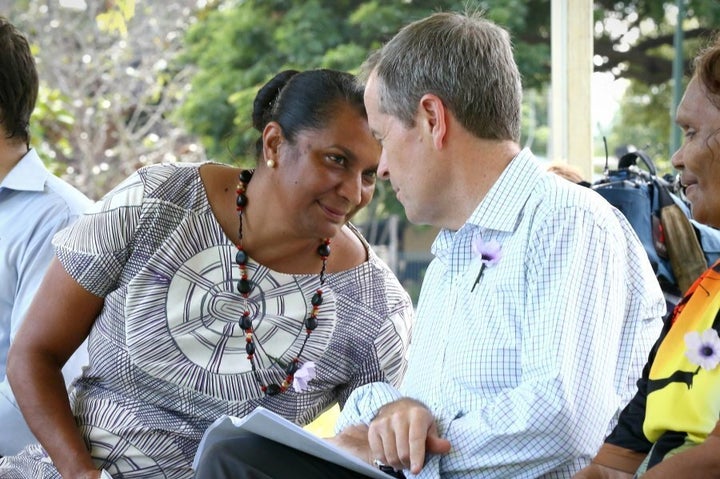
(267, 424)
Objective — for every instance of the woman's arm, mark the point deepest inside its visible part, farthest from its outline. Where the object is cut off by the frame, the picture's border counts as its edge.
(702, 460)
(58, 321)
(612, 462)
(596, 471)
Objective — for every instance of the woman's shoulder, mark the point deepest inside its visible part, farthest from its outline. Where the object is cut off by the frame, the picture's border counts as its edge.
(357, 246)
(348, 250)
(156, 175)
(174, 183)
(369, 276)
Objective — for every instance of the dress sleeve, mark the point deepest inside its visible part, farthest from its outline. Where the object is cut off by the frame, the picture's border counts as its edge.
(388, 362)
(94, 249)
(393, 339)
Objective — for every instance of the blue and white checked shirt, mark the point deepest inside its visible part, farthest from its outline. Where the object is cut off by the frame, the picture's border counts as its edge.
(528, 372)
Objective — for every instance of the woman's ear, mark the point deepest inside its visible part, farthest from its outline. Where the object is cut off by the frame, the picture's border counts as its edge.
(272, 138)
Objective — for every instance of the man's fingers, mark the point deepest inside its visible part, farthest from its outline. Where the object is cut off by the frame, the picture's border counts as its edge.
(421, 426)
(354, 439)
(437, 445)
(388, 438)
(402, 433)
(376, 442)
(402, 447)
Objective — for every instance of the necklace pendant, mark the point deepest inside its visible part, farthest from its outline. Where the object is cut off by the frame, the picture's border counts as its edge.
(317, 298)
(241, 257)
(324, 249)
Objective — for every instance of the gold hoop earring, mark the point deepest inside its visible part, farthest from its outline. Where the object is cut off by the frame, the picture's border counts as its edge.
(270, 164)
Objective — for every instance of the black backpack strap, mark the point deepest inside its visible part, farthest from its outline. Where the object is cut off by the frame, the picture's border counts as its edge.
(630, 159)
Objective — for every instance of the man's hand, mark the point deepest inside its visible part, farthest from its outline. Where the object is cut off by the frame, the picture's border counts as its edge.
(354, 439)
(402, 433)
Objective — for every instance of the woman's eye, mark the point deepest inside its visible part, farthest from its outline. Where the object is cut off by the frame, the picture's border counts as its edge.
(340, 160)
(370, 177)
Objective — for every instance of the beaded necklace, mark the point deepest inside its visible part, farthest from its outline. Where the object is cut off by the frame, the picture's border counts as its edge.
(245, 286)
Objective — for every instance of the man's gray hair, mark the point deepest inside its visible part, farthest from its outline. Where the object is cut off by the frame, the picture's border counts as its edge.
(464, 59)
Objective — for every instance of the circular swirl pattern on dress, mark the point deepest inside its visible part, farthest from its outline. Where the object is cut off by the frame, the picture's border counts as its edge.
(183, 321)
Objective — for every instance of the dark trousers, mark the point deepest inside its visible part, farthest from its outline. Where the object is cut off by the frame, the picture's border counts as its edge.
(254, 457)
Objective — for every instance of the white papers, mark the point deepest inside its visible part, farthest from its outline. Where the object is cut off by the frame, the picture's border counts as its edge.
(267, 424)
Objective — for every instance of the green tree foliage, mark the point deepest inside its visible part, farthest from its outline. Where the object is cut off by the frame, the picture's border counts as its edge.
(644, 122)
(237, 46)
(634, 38)
(107, 88)
(111, 78)
(115, 18)
(645, 56)
(49, 134)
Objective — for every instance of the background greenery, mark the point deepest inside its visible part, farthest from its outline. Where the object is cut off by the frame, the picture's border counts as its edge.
(130, 82)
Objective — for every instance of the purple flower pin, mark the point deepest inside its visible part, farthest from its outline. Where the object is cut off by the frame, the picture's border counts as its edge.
(489, 253)
(703, 349)
(303, 376)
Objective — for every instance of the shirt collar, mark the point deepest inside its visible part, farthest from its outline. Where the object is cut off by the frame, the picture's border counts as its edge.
(29, 174)
(501, 208)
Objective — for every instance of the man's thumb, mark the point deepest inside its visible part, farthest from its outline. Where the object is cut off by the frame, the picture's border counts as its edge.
(437, 445)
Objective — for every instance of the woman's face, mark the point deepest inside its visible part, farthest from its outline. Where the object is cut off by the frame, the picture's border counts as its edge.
(698, 159)
(327, 175)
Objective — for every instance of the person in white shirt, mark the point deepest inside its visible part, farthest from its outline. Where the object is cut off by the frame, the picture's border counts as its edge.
(34, 205)
(540, 306)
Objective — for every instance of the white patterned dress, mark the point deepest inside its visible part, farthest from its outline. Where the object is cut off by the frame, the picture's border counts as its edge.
(167, 354)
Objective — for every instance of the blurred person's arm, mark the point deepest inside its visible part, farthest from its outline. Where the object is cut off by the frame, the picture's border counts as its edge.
(28, 255)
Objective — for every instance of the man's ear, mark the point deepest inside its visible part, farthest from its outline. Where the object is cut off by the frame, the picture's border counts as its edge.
(432, 114)
(272, 137)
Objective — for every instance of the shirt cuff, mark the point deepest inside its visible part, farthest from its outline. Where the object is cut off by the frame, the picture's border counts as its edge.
(364, 403)
(616, 457)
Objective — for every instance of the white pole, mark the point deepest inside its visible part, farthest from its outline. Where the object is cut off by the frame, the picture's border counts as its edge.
(572, 66)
